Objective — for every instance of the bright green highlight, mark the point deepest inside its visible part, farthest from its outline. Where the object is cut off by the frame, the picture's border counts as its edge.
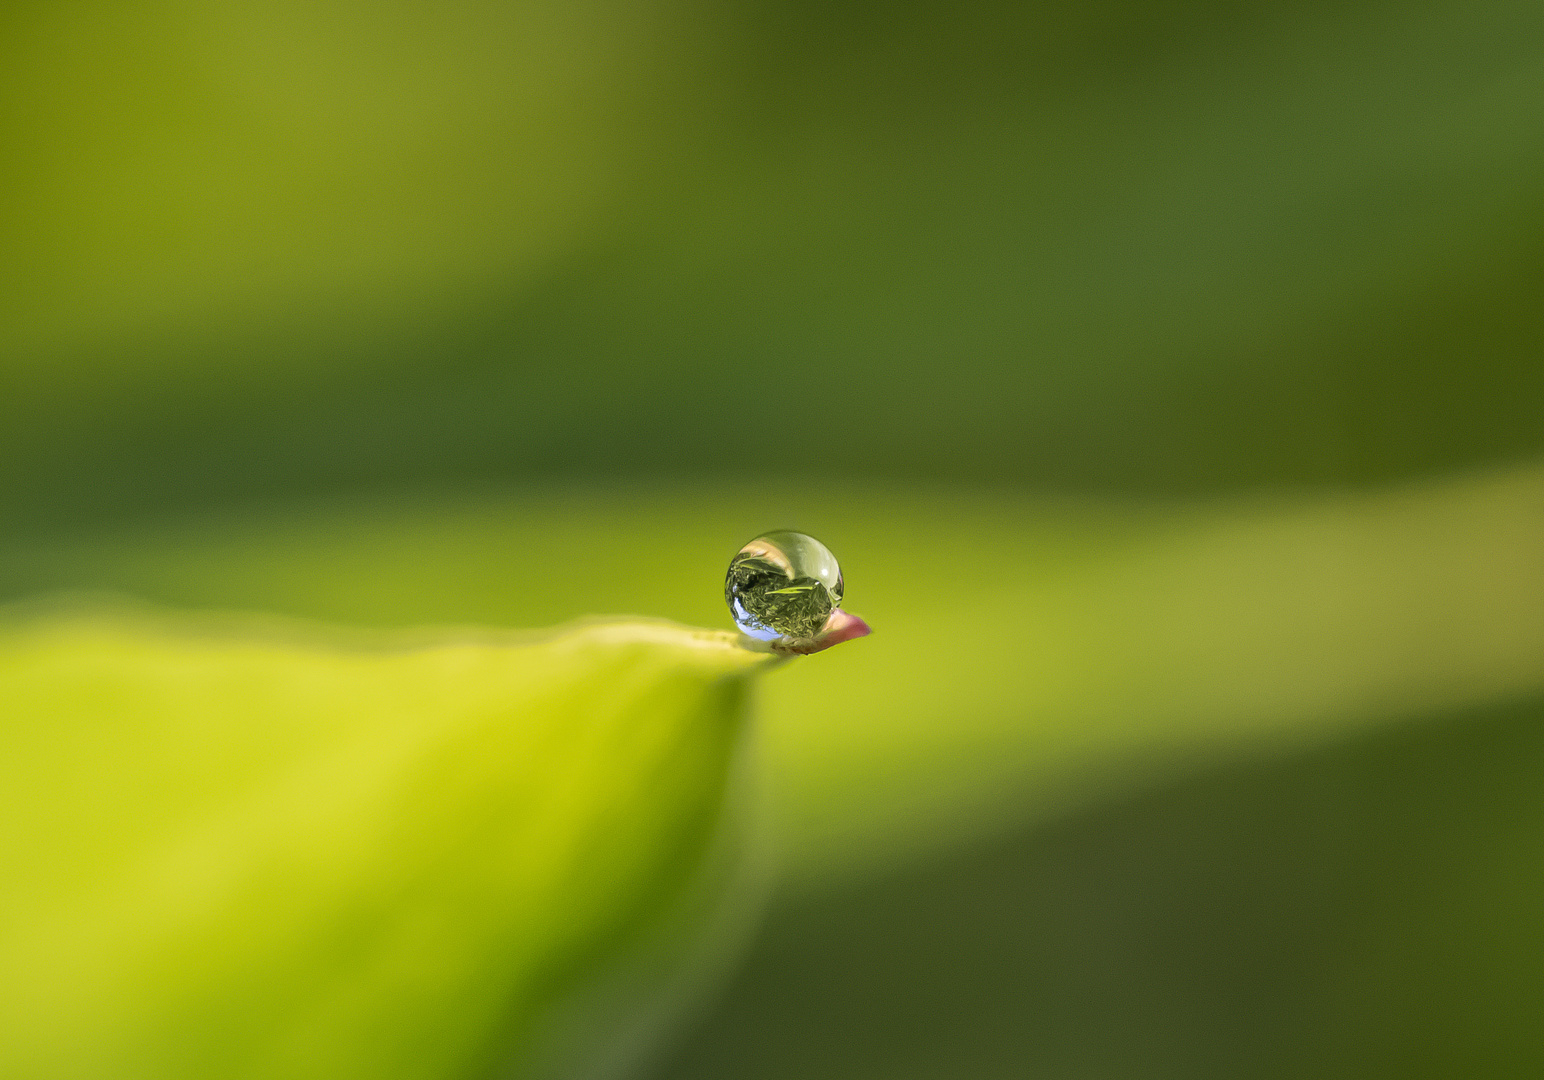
(255, 851)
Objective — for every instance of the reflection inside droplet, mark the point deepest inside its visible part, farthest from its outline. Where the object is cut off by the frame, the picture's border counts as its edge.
(783, 586)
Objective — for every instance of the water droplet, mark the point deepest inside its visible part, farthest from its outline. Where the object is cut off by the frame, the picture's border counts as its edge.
(783, 587)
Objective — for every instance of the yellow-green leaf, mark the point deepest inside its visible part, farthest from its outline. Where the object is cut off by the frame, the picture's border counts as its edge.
(1031, 655)
(257, 852)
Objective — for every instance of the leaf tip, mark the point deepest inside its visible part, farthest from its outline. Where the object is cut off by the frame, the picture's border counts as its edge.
(841, 626)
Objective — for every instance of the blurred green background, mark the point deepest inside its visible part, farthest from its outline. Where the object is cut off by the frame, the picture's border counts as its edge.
(1167, 377)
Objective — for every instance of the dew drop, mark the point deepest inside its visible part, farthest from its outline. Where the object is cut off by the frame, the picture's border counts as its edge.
(783, 587)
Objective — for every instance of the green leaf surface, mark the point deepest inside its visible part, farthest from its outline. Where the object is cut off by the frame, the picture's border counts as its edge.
(1028, 654)
(255, 850)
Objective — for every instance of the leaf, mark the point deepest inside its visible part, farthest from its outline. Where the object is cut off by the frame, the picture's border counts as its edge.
(235, 852)
(1031, 655)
